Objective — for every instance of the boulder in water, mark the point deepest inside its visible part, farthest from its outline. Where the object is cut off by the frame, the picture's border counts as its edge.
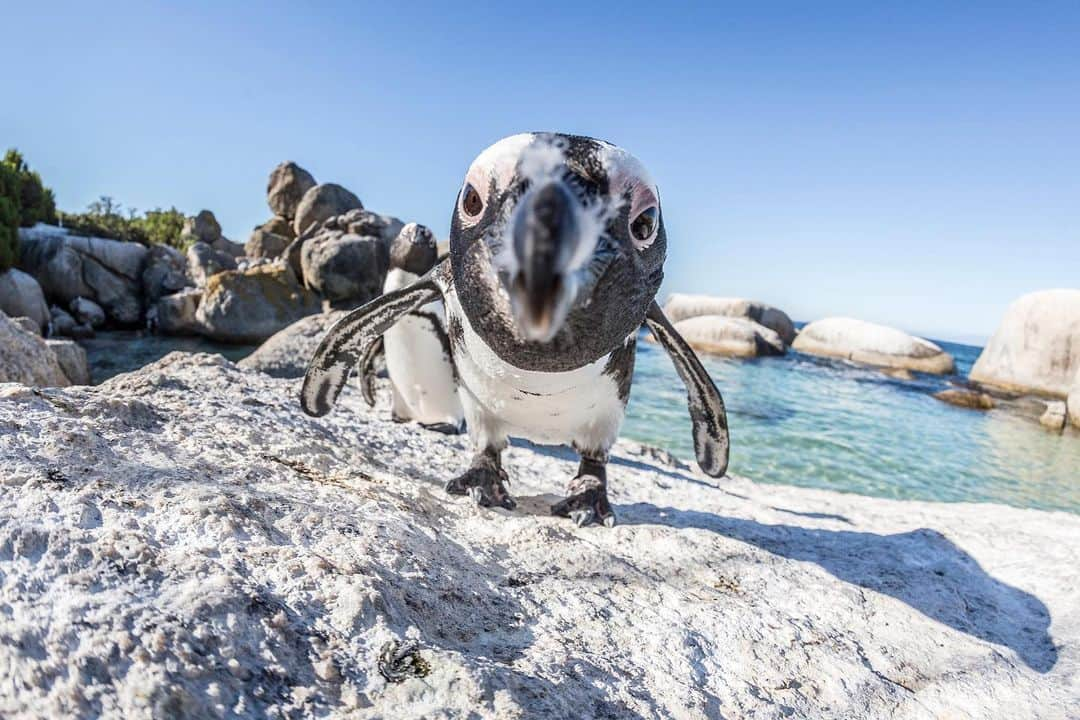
(732, 336)
(872, 344)
(250, 306)
(1055, 417)
(286, 188)
(681, 306)
(21, 296)
(1073, 403)
(1036, 348)
(176, 314)
(971, 399)
(87, 312)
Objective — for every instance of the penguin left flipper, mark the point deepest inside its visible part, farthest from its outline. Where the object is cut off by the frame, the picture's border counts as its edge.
(351, 338)
(707, 411)
(367, 371)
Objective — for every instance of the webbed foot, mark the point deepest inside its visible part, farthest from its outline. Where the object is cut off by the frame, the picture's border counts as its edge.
(485, 481)
(587, 503)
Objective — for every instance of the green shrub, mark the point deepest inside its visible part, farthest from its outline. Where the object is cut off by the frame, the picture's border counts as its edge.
(36, 202)
(9, 217)
(164, 227)
(106, 218)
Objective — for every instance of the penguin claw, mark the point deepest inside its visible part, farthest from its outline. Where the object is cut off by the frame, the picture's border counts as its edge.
(588, 506)
(485, 487)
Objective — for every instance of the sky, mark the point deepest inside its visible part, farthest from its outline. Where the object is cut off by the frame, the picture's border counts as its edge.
(915, 164)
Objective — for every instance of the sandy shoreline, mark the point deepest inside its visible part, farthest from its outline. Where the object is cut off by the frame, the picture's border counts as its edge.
(184, 538)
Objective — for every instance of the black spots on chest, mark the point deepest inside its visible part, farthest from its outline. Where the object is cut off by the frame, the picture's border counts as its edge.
(455, 332)
(620, 368)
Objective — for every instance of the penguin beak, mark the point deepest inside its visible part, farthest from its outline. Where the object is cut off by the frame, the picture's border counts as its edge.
(546, 235)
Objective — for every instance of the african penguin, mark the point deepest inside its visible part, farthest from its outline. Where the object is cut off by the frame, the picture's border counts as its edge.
(557, 246)
(418, 356)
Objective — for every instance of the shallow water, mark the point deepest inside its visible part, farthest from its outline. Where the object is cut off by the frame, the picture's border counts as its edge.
(798, 420)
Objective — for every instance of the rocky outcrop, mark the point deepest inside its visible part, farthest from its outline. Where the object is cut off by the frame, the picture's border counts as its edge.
(204, 262)
(204, 228)
(322, 202)
(731, 336)
(26, 358)
(286, 188)
(286, 353)
(347, 258)
(87, 312)
(265, 244)
(165, 273)
(970, 399)
(70, 266)
(871, 344)
(216, 551)
(1055, 417)
(64, 325)
(176, 314)
(21, 296)
(72, 359)
(681, 307)
(1036, 348)
(346, 269)
(250, 306)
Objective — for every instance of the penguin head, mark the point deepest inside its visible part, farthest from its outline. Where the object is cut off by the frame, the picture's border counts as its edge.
(414, 249)
(557, 247)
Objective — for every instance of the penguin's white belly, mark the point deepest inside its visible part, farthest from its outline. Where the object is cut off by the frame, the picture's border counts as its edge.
(417, 362)
(580, 407)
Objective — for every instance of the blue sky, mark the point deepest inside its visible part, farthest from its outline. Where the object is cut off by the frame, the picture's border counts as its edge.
(917, 165)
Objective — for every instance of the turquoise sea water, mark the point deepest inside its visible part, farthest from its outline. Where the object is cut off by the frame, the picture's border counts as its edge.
(799, 420)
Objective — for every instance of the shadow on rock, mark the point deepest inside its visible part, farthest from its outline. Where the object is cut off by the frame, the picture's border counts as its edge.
(921, 568)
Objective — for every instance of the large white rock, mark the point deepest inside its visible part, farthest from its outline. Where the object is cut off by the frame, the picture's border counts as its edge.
(681, 306)
(732, 336)
(70, 266)
(184, 542)
(286, 354)
(21, 296)
(1036, 348)
(26, 358)
(872, 344)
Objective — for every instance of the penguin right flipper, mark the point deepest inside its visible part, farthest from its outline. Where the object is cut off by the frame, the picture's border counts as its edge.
(707, 411)
(367, 371)
(350, 339)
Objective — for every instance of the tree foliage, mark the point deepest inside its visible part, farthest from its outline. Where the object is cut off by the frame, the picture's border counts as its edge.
(36, 202)
(9, 217)
(107, 218)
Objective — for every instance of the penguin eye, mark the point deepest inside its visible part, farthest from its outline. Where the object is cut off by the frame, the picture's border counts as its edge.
(470, 201)
(644, 225)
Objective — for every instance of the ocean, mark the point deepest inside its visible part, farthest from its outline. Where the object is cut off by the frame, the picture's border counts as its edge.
(801, 420)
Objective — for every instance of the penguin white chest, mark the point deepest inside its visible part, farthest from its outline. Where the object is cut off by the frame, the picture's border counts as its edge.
(418, 362)
(581, 407)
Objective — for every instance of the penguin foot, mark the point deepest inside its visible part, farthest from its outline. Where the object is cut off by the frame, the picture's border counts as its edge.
(486, 486)
(587, 503)
(443, 427)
